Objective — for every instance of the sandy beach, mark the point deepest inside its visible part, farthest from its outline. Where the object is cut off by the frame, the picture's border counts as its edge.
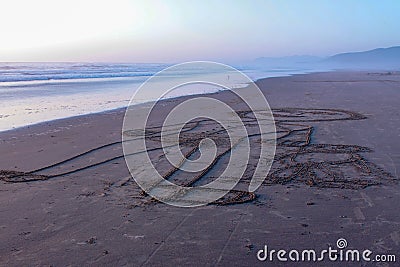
(68, 199)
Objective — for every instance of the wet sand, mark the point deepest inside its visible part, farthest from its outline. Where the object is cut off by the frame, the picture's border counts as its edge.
(68, 198)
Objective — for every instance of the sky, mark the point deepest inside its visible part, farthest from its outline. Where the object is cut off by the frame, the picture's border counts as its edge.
(177, 31)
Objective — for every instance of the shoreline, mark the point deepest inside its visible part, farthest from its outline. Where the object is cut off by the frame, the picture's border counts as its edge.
(124, 107)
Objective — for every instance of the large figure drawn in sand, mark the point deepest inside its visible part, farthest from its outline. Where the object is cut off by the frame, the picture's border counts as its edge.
(297, 160)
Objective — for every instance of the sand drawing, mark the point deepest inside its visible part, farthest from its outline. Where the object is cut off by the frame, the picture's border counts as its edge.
(298, 160)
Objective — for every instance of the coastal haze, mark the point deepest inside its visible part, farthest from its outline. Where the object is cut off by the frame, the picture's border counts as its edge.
(36, 92)
(69, 73)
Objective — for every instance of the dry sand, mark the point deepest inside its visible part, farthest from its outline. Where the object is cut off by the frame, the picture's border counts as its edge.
(335, 175)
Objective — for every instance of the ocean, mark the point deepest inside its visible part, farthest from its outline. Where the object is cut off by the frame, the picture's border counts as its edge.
(36, 92)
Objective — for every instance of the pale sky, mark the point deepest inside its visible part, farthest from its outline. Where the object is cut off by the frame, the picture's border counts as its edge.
(175, 31)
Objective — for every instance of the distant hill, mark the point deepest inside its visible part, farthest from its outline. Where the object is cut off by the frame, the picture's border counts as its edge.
(376, 57)
(380, 58)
